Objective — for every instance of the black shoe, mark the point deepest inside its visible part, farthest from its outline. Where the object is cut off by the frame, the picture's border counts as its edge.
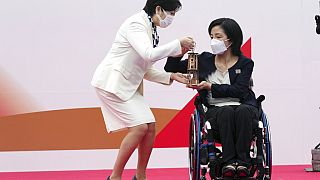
(242, 171)
(108, 178)
(134, 177)
(229, 171)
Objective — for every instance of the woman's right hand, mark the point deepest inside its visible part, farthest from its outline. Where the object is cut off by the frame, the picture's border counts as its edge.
(187, 43)
(179, 77)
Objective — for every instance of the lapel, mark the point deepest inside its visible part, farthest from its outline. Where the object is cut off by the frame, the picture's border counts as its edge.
(148, 24)
(149, 31)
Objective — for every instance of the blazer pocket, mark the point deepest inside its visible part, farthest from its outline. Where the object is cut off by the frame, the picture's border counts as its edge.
(126, 74)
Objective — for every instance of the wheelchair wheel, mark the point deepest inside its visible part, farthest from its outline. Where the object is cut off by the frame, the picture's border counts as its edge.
(265, 165)
(194, 147)
(267, 147)
(261, 151)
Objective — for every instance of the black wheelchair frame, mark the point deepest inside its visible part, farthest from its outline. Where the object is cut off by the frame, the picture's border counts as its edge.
(260, 151)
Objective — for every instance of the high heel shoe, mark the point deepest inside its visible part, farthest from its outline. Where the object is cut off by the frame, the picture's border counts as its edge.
(134, 177)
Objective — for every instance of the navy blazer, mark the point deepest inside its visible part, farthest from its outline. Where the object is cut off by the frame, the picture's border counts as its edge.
(239, 74)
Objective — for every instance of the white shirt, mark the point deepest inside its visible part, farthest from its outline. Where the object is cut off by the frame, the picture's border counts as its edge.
(219, 77)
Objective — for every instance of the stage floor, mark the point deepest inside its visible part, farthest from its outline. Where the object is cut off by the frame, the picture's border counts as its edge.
(283, 172)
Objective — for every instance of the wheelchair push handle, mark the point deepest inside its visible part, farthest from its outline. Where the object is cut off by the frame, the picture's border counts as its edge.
(261, 98)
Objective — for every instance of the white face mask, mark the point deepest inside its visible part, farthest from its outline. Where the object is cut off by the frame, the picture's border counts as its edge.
(163, 23)
(218, 46)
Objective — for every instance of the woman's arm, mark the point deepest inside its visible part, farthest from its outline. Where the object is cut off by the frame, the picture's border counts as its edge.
(166, 78)
(137, 36)
(175, 64)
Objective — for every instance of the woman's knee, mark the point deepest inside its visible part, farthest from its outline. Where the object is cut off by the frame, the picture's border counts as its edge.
(225, 115)
(226, 110)
(139, 130)
(151, 128)
(245, 113)
(243, 109)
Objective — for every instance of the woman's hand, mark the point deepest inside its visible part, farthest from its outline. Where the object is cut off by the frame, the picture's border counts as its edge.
(203, 85)
(187, 43)
(179, 77)
(184, 50)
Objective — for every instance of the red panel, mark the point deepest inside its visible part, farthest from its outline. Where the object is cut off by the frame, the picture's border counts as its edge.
(176, 133)
(246, 48)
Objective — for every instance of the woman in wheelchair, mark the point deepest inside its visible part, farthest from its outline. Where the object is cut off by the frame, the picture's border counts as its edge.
(225, 90)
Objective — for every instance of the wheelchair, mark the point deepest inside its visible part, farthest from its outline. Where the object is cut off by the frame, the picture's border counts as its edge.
(199, 163)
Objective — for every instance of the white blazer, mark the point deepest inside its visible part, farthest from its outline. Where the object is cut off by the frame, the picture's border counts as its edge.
(131, 57)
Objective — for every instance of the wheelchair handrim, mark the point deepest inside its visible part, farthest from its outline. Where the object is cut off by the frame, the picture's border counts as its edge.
(194, 153)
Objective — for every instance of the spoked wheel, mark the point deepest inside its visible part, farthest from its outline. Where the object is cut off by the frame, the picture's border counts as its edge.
(267, 147)
(194, 147)
(265, 170)
(253, 155)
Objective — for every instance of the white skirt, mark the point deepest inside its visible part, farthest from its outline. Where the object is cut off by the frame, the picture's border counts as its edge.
(119, 114)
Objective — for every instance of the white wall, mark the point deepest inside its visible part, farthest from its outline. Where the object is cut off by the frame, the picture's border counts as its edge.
(51, 48)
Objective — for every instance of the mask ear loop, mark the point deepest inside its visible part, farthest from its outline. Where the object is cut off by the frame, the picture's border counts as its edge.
(164, 11)
(159, 17)
(229, 44)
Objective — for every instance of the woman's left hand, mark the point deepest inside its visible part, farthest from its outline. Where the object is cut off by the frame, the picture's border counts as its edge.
(179, 77)
(203, 85)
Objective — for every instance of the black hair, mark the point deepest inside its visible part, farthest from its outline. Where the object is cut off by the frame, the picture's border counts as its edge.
(167, 5)
(232, 30)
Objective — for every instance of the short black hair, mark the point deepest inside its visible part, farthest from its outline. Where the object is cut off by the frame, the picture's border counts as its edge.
(167, 5)
(232, 30)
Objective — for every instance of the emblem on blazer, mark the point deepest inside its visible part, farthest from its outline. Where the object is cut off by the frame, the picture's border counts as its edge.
(238, 71)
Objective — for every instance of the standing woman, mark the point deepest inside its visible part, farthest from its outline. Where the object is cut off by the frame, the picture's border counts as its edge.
(118, 80)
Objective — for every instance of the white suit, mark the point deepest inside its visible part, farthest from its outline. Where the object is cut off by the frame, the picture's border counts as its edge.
(131, 57)
(119, 76)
